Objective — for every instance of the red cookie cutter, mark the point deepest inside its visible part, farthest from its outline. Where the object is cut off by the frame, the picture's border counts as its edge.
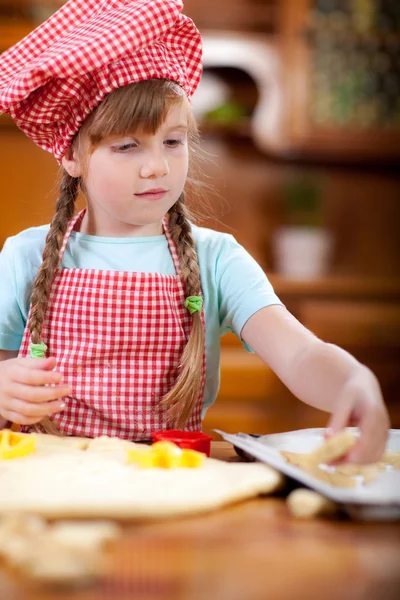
(195, 440)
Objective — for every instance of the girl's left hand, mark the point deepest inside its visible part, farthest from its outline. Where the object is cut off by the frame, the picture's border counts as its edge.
(360, 403)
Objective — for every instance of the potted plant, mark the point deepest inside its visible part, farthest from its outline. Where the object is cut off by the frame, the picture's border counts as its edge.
(302, 246)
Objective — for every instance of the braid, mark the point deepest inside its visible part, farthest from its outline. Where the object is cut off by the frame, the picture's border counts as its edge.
(42, 284)
(181, 399)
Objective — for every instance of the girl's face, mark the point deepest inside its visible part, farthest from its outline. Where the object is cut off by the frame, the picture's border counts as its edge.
(132, 181)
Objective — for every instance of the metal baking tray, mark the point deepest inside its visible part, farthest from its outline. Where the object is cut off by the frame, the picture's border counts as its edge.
(378, 500)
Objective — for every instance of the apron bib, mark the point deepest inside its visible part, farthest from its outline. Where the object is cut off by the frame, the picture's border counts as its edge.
(118, 338)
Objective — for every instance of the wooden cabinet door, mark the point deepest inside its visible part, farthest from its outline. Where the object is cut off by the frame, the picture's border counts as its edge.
(342, 79)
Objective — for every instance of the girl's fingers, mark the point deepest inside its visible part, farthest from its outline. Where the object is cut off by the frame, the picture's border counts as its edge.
(364, 453)
(49, 363)
(339, 419)
(38, 394)
(28, 376)
(33, 390)
(24, 413)
(28, 410)
(37, 363)
(20, 419)
(370, 446)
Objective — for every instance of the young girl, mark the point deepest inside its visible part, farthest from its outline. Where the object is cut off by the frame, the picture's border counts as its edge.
(128, 298)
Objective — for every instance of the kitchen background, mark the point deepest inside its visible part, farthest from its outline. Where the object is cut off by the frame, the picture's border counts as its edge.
(299, 110)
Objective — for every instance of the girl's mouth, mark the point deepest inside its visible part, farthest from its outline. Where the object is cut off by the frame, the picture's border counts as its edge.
(154, 194)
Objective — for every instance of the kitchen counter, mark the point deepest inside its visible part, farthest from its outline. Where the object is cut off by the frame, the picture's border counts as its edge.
(250, 550)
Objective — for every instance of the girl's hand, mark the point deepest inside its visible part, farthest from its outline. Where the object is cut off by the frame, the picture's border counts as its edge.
(30, 389)
(360, 403)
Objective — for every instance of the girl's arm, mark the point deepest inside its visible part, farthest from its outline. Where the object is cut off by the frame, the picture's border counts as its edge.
(322, 375)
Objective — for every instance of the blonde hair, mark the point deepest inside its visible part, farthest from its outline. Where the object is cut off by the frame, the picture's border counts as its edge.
(137, 107)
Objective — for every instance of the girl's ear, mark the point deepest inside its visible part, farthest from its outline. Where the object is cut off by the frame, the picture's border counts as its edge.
(71, 164)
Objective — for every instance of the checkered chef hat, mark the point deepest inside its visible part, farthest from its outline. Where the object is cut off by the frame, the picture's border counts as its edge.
(53, 78)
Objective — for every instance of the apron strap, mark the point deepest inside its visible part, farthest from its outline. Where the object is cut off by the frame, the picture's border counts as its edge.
(73, 222)
(173, 249)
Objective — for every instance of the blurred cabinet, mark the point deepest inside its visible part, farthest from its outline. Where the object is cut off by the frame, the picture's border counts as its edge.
(342, 78)
(339, 72)
(236, 15)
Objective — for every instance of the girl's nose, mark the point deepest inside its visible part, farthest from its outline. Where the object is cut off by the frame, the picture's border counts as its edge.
(155, 165)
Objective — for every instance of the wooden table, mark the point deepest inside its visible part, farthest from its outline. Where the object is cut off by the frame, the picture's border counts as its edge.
(249, 551)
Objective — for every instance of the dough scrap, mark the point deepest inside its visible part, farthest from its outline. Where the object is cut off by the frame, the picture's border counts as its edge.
(343, 475)
(62, 553)
(307, 504)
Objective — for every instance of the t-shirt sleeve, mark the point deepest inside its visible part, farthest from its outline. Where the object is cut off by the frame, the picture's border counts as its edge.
(12, 322)
(243, 287)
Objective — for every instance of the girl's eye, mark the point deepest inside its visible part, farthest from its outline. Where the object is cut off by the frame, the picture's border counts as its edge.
(172, 143)
(124, 147)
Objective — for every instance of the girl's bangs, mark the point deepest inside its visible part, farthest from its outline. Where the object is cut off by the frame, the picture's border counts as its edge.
(138, 107)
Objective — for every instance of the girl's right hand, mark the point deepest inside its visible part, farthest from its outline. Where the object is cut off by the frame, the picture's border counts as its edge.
(30, 389)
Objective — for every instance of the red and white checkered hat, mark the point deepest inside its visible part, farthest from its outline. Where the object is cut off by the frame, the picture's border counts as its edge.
(52, 79)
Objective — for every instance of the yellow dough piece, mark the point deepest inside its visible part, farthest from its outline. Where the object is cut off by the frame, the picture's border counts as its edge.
(191, 459)
(15, 445)
(164, 455)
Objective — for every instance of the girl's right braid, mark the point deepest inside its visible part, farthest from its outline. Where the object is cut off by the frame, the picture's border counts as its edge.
(41, 287)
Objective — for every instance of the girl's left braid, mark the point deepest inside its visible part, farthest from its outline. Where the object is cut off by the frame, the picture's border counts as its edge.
(41, 287)
(180, 401)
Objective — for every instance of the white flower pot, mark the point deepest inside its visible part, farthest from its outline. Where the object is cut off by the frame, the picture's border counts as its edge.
(302, 252)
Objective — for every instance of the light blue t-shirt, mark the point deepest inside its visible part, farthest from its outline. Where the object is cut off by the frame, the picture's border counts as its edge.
(234, 286)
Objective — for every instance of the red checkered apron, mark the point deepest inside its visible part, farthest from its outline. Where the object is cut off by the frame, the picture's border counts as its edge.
(118, 338)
